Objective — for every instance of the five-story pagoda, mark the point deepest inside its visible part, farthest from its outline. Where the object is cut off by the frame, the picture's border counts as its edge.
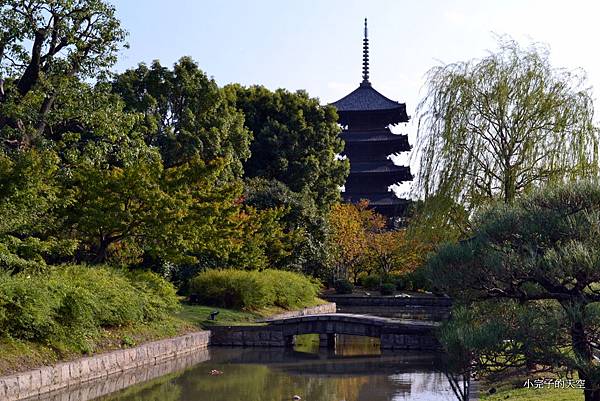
(366, 116)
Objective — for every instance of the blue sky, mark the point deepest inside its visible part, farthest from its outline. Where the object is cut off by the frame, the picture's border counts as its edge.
(317, 44)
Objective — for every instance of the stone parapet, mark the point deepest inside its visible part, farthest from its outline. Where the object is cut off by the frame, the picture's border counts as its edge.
(329, 307)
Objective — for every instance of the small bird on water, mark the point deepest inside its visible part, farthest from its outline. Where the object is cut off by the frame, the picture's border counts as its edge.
(216, 372)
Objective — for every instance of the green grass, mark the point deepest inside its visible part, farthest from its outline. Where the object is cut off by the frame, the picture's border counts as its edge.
(513, 390)
(199, 315)
(529, 394)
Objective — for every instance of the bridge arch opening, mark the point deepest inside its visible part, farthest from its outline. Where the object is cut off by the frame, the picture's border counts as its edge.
(339, 344)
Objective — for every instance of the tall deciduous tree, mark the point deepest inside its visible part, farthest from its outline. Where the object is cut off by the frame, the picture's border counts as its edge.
(395, 251)
(44, 45)
(296, 141)
(348, 241)
(496, 127)
(529, 278)
(186, 114)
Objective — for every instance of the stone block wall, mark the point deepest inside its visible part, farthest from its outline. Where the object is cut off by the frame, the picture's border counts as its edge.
(247, 336)
(329, 307)
(106, 385)
(50, 378)
(421, 307)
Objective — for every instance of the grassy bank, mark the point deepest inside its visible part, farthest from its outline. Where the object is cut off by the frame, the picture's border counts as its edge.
(198, 315)
(19, 355)
(514, 391)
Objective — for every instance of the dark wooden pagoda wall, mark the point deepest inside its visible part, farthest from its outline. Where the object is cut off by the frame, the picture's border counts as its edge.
(373, 144)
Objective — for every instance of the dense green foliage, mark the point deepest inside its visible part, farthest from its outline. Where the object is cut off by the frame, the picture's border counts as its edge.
(300, 218)
(69, 305)
(185, 114)
(253, 289)
(387, 288)
(343, 286)
(295, 141)
(529, 277)
(105, 177)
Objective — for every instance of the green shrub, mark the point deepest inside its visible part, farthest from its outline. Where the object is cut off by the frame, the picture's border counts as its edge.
(400, 281)
(419, 280)
(291, 290)
(159, 296)
(343, 286)
(70, 304)
(240, 289)
(116, 301)
(29, 307)
(371, 282)
(387, 288)
(233, 289)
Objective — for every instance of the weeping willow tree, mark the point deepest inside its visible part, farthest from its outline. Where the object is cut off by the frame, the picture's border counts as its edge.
(498, 126)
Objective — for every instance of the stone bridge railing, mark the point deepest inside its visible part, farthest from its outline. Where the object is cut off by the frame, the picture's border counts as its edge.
(393, 334)
(420, 307)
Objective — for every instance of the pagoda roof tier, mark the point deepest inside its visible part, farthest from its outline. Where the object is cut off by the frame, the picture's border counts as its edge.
(376, 136)
(376, 199)
(366, 98)
(378, 167)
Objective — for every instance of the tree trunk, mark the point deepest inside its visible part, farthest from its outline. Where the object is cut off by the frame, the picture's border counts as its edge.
(509, 184)
(101, 253)
(591, 395)
(592, 388)
(583, 349)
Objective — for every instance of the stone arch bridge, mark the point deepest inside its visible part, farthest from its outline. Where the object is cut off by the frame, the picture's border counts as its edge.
(393, 334)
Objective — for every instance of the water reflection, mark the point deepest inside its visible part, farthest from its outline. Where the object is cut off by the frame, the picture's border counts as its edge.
(353, 372)
(345, 345)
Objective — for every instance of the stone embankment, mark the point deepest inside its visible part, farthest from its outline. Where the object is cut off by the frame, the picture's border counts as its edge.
(73, 373)
(102, 374)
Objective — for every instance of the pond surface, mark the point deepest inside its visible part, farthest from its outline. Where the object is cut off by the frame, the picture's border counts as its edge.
(355, 371)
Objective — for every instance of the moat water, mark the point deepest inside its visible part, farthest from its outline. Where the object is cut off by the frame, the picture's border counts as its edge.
(355, 371)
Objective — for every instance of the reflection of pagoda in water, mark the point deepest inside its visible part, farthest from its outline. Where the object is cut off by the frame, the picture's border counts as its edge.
(366, 116)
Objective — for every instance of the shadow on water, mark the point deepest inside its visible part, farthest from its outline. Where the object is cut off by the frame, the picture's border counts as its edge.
(354, 371)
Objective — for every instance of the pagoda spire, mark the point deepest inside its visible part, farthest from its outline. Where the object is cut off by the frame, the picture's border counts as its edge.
(365, 68)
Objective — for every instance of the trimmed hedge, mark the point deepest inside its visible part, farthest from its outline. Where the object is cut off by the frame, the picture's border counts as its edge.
(240, 289)
(370, 282)
(387, 288)
(71, 304)
(343, 286)
(412, 281)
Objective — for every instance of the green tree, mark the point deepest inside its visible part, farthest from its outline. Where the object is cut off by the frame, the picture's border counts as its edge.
(185, 114)
(141, 209)
(44, 46)
(300, 219)
(529, 279)
(30, 194)
(296, 141)
(350, 227)
(499, 126)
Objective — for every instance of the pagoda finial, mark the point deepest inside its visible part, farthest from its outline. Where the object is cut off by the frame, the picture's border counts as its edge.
(365, 69)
